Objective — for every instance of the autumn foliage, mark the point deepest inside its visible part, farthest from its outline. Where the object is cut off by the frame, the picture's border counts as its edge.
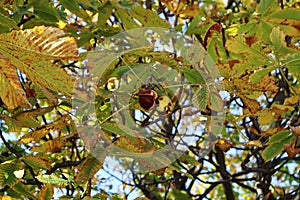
(227, 118)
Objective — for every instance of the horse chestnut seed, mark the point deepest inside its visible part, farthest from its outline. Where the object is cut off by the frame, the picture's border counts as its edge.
(147, 98)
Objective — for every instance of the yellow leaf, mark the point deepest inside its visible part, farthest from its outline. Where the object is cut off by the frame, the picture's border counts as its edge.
(8, 198)
(49, 146)
(11, 91)
(252, 105)
(46, 192)
(127, 145)
(40, 132)
(265, 117)
(290, 101)
(190, 11)
(32, 51)
(61, 24)
(256, 143)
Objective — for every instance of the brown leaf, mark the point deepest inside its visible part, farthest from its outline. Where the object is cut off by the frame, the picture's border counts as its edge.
(295, 129)
(252, 105)
(224, 145)
(291, 150)
(209, 33)
(250, 40)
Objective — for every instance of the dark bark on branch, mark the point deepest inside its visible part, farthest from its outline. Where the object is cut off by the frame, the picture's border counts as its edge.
(225, 175)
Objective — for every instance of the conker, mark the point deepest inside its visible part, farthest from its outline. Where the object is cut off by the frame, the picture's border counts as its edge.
(147, 98)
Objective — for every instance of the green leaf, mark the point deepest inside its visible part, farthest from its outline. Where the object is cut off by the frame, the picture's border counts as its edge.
(71, 5)
(194, 28)
(21, 189)
(200, 98)
(262, 30)
(245, 28)
(46, 12)
(147, 17)
(126, 18)
(53, 180)
(290, 13)
(7, 23)
(7, 176)
(258, 75)
(117, 129)
(276, 144)
(282, 135)
(193, 76)
(266, 5)
(277, 38)
(104, 13)
(238, 45)
(293, 60)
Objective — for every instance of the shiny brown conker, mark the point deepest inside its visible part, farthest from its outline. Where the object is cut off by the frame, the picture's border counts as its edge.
(147, 98)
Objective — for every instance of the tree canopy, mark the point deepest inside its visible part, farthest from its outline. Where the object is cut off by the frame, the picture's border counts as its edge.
(166, 99)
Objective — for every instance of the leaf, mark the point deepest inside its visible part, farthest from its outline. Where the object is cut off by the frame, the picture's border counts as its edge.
(239, 45)
(147, 17)
(292, 62)
(290, 13)
(265, 117)
(258, 75)
(37, 162)
(277, 38)
(255, 143)
(7, 176)
(295, 129)
(21, 189)
(252, 105)
(7, 23)
(276, 144)
(193, 76)
(49, 146)
(279, 136)
(216, 102)
(266, 5)
(27, 119)
(52, 180)
(190, 12)
(46, 192)
(33, 50)
(74, 7)
(128, 145)
(44, 11)
(187, 159)
(11, 91)
(117, 129)
(40, 132)
(126, 19)
(104, 13)
(88, 168)
(200, 98)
